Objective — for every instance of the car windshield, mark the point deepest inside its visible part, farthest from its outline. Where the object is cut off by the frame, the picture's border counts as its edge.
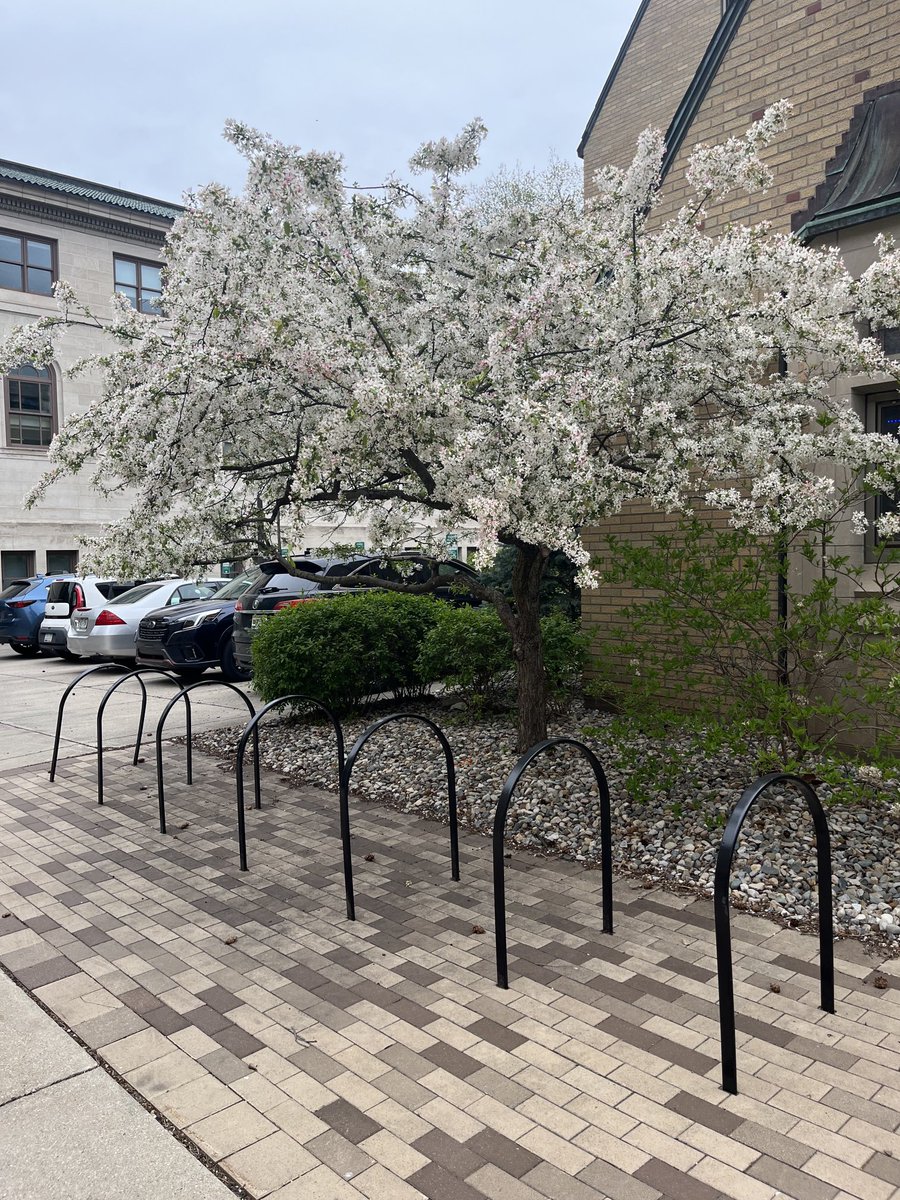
(15, 588)
(238, 586)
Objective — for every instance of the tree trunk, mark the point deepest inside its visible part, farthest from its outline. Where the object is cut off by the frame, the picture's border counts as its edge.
(528, 572)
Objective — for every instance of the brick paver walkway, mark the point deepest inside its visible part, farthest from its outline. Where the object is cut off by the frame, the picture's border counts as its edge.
(317, 1059)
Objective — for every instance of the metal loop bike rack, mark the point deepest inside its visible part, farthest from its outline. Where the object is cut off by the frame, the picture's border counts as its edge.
(721, 892)
(183, 694)
(345, 799)
(62, 704)
(135, 674)
(251, 727)
(503, 803)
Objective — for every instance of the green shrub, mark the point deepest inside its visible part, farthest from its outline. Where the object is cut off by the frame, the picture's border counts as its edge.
(565, 652)
(470, 651)
(345, 650)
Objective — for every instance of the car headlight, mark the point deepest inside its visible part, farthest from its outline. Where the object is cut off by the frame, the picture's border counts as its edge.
(200, 619)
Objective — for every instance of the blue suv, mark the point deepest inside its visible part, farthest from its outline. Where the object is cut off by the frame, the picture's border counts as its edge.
(22, 604)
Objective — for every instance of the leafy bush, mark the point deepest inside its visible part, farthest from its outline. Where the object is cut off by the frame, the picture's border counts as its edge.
(826, 672)
(343, 651)
(470, 651)
(565, 652)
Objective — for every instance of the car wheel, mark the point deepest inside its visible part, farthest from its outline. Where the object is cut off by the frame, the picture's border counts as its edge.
(25, 648)
(229, 664)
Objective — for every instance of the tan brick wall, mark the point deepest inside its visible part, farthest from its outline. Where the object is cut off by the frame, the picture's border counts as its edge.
(822, 56)
(661, 61)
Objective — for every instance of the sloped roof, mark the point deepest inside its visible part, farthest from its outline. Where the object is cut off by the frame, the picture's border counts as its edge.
(611, 78)
(86, 190)
(862, 181)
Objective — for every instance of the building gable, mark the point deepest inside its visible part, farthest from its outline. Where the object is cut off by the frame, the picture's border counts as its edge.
(654, 68)
(822, 56)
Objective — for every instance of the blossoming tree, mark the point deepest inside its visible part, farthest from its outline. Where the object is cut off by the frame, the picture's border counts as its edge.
(530, 364)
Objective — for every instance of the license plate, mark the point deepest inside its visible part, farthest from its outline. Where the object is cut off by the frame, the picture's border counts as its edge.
(256, 622)
(48, 637)
(80, 623)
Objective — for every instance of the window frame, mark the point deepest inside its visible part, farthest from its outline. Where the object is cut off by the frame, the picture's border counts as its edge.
(9, 444)
(138, 263)
(54, 261)
(874, 403)
(71, 569)
(28, 556)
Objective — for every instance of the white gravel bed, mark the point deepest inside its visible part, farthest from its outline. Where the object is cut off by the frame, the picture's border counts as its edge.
(671, 840)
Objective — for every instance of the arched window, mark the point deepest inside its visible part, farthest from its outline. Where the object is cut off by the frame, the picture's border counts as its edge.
(30, 403)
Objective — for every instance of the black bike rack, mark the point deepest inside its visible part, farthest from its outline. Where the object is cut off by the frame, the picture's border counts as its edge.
(721, 890)
(503, 803)
(251, 727)
(345, 799)
(136, 674)
(183, 694)
(62, 704)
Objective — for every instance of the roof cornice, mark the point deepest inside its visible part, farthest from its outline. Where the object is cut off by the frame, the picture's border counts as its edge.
(91, 222)
(611, 78)
(819, 216)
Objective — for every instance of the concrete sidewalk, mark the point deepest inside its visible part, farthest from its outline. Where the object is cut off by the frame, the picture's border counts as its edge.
(68, 1131)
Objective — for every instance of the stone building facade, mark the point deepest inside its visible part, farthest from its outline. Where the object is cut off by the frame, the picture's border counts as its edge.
(703, 70)
(100, 240)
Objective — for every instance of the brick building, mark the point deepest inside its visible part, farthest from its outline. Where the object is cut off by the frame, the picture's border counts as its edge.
(703, 70)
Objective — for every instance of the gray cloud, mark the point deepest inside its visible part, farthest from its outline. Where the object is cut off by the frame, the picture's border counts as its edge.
(136, 96)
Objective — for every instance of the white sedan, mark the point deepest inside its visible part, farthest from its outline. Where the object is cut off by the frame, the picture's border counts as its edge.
(110, 631)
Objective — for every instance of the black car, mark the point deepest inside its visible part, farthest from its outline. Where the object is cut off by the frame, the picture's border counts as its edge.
(337, 577)
(194, 636)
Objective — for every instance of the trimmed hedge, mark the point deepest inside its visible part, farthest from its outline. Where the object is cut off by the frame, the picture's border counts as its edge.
(346, 650)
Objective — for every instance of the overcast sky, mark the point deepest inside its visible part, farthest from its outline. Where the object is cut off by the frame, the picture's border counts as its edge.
(135, 95)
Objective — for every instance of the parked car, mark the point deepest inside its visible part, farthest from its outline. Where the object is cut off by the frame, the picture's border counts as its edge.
(195, 636)
(64, 597)
(276, 589)
(110, 630)
(22, 605)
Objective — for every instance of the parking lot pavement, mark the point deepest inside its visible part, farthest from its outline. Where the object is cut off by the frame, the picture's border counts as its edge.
(315, 1058)
(30, 691)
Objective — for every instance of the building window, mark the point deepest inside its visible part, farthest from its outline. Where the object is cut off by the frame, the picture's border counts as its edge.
(30, 407)
(141, 282)
(27, 264)
(62, 562)
(15, 564)
(883, 416)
